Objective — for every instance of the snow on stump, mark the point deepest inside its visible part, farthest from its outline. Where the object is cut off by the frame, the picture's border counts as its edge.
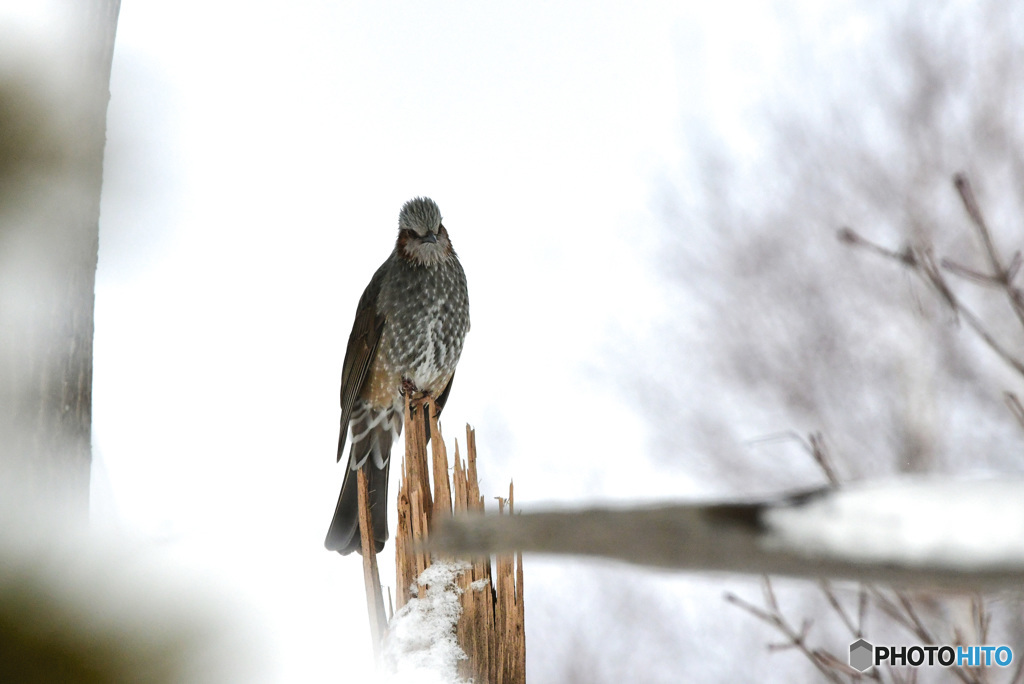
(420, 644)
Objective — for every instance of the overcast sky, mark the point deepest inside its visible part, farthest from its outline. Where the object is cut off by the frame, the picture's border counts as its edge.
(258, 154)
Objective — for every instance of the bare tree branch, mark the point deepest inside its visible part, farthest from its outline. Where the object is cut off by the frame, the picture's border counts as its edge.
(823, 661)
(923, 263)
(828, 533)
(1001, 275)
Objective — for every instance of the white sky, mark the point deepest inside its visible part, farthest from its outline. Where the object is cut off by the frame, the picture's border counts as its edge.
(258, 154)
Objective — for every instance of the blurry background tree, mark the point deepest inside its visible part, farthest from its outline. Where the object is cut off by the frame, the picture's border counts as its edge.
(53, 105)
(73, 608)
(781, 329)
(801, 333)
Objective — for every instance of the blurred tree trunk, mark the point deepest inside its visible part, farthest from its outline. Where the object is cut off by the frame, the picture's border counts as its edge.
(53, 108)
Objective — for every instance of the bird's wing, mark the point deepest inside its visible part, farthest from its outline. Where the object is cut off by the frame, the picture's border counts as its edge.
(362, 347)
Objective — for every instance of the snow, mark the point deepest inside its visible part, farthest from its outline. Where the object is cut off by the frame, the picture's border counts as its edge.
(420, 644)
(960, 524)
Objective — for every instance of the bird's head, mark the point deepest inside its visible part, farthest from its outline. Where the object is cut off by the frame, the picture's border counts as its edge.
(422, 238)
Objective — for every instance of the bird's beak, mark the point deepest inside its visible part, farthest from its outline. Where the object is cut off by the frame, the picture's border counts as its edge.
(429, 237)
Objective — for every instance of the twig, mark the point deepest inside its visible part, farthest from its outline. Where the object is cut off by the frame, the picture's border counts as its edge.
(969, 273)
(833, 600)
(1003, 276)
(374, 596)
(921, 262)
(983, 617)
(927, 267)
(825, 662)
(975, 323)
(822, 457)
(903, 612)
(814, 445)
(908, 606)
(862, 608)
(963, 186)
(896, 611)
(1016, 408)
(851, 237)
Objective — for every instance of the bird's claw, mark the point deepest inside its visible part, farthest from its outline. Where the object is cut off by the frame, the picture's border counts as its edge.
(416, 396)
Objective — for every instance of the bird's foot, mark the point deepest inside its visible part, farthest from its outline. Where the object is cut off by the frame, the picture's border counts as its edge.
(416, 396)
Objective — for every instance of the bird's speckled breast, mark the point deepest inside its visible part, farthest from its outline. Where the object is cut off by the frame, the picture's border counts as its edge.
(427, 310)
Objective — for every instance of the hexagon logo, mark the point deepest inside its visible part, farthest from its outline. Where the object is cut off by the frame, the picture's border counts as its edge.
(861, 655)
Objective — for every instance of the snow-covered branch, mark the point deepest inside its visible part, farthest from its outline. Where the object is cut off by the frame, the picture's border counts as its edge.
(955, 533)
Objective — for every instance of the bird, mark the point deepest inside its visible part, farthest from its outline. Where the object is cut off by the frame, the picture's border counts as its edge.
(409, 329)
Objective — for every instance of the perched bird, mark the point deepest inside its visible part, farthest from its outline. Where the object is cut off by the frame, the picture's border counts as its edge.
(407, 337)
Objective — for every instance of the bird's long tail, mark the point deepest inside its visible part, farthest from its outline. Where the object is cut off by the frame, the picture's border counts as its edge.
(373, 432)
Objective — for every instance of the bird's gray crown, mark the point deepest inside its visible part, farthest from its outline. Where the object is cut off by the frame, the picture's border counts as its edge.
(420, 215)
